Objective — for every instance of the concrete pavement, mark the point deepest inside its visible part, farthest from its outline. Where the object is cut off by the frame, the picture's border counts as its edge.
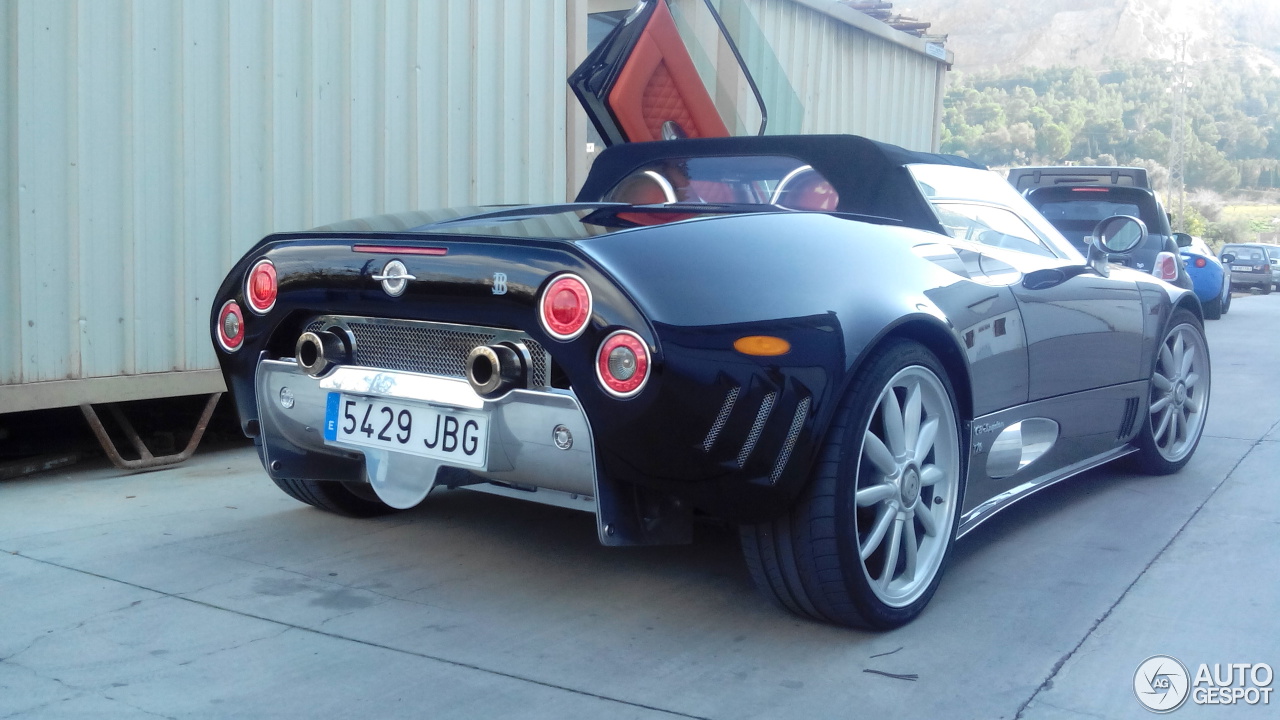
(203, 591)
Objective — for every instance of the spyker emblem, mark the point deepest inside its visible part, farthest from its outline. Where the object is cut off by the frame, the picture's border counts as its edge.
(499, 283)
(394, 277)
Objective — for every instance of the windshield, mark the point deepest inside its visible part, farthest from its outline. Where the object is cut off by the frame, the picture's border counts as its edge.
(734, 180)
(947, 187)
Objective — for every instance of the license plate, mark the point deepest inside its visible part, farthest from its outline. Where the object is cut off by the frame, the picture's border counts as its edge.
(1245, 268)
(461, 438)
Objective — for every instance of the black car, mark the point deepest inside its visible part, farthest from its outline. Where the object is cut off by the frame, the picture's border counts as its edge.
(1075, 209)
(854, 352)
(1250, 266)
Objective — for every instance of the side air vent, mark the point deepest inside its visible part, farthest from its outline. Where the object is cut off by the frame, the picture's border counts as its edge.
(757, 427)
(721, 418)
(793, 435)
(1130, 417)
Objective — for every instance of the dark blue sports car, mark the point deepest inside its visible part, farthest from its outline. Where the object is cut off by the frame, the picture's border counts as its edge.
(854, 352)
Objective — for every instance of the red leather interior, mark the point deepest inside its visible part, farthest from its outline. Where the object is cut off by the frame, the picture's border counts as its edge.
(660, 83)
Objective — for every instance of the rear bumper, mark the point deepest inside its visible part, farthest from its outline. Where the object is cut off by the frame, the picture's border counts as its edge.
(522, 454)
(1239, 279)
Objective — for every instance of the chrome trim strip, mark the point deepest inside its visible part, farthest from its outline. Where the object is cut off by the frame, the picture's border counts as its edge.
(786, 180)
(986, 510)
(430, 389)
(542, 496)
(668, 191)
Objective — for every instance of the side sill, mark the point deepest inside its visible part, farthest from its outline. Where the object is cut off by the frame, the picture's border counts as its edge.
(988, 509)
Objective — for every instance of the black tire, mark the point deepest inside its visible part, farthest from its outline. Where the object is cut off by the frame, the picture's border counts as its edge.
(349, 499)
(1180, 401)
(810, 559)
(1226, 302)
(1266, 289)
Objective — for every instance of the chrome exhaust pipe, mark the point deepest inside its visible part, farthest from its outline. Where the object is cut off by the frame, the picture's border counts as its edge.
(492, 370)
(317, 352)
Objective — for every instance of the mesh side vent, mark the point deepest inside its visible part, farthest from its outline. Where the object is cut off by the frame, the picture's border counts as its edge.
(425, 348)
(793, 436)
(756, 428)
(721, 418)
(1130, 417)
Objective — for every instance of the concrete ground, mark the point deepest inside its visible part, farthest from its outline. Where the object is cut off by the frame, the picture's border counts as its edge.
(203, 591)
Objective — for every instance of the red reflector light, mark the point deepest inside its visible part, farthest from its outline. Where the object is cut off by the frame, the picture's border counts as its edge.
(1200, 262)
(230, 329)
(565, 307)
(1088, 189)
(260, 287)
(399, 250)
(622, 363)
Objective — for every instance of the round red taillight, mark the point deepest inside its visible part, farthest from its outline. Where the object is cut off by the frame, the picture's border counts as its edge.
(622, 363)
(260, 287)
(1200, 262)
(230, 329)
(565, 307)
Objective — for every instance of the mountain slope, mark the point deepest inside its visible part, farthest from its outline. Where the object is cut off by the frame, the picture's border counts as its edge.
(1002, 35)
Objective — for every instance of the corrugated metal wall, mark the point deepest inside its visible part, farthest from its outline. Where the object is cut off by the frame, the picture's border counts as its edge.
(853, 74)
(147, 143)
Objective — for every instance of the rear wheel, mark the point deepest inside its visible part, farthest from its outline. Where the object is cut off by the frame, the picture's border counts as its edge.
(1226, 300)
(1213, 309)
(1179, 398)
(1266, 288)
(344, 498)
(867, 542)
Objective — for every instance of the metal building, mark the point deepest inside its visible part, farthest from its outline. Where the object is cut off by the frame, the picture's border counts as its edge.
(145, 144)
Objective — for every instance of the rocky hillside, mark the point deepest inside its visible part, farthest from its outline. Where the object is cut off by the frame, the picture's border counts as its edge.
(1003, 35)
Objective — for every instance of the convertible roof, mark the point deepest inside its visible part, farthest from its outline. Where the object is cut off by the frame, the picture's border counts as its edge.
(870, 176)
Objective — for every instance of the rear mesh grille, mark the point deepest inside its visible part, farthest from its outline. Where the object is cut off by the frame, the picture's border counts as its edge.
(431, 348)
(793, 436)
(756, 428)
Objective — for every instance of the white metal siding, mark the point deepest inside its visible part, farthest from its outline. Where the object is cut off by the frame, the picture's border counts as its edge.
(850, 80)
(145, 144)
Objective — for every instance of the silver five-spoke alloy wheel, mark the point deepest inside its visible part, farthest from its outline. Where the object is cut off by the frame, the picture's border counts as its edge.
(908, 485)
(1179, 392)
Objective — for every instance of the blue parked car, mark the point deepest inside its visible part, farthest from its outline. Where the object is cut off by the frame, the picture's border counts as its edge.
(1210, 280)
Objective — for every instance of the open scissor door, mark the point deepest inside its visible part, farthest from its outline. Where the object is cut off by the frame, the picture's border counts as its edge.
(662, 75)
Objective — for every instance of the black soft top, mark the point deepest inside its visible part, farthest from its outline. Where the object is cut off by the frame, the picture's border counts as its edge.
(870, 176)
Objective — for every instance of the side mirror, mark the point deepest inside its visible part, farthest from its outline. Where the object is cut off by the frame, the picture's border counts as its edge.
(1120, 233)
(1228, 258)
(1184, 240)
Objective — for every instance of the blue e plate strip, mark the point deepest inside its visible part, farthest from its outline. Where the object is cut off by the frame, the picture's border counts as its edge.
(331, 416)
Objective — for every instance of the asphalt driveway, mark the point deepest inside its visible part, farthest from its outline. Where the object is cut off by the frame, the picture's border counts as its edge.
(203, 591)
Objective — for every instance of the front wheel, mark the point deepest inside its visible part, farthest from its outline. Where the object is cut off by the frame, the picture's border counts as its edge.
(868, 540)
(1179, 398)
